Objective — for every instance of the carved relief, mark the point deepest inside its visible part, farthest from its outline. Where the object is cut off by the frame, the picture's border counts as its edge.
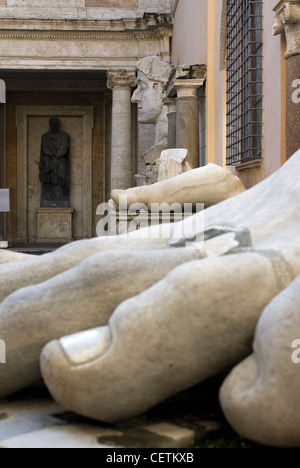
(287, 20)
(120, 78)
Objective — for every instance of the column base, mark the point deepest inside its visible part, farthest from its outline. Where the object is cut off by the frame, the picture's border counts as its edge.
(54, 225)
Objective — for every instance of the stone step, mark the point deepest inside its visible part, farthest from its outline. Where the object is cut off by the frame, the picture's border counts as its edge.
(60, 437)
(162, 435)
(32, 419)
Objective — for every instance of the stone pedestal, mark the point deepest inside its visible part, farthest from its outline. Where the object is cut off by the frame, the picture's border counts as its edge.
(129, 222)
(54, 225)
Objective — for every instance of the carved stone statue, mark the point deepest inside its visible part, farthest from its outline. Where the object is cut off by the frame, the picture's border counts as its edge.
(210, 184)
(152, 75)
(162, 316)
(260, 397)
(55, 166)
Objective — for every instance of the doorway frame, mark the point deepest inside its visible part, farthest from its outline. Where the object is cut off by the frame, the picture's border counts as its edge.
(23, 113)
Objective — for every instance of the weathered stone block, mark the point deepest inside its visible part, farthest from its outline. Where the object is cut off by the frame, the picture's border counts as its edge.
(54, 224)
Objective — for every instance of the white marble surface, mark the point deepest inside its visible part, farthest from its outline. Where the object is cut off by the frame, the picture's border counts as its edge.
(260, 398)
(152, 339)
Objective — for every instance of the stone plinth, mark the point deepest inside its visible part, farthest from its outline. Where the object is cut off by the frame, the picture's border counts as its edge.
(129, 222)
(54, 225)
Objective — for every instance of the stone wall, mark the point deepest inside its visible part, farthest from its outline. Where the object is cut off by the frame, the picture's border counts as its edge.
(2, 174)
(81, 9)
(34, 38)
(205, 20)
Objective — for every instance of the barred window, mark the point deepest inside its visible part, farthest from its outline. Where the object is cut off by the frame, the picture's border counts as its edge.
(244, 80)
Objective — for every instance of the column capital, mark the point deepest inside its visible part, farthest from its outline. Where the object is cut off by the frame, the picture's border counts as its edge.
(186, 76)
(287, 20)
(170, 102)
(188, 88)
(120, 79)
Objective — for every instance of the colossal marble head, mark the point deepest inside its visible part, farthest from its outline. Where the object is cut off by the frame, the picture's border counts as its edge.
(153, 74)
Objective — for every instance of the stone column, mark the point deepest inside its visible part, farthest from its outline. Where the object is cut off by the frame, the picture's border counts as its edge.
(187, 118)
(108, 123)
(120, 82)
(2, 151)
(287, 20)
(293, 105)
(171, 103)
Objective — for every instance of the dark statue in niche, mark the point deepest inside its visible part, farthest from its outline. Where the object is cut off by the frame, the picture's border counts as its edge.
(55, 166)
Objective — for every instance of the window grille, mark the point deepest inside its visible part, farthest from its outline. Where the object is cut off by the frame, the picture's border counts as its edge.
(244, 80)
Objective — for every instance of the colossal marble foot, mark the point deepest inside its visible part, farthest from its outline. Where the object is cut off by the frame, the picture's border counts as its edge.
(210, 185)
(194, 323)
(7, 256)
(81, 298)
(261, 397)
(37, 269)
(270, 211)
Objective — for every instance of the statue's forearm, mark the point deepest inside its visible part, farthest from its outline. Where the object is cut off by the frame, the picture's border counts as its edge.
(64, 149)
(46, 152)
(61, 156)
(62, 152)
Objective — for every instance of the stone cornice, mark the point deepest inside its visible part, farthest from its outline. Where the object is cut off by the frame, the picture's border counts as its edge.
(120, 78)
(150, 22)
(287, 20)
(93, 36)
(150, 27)
(82, 44)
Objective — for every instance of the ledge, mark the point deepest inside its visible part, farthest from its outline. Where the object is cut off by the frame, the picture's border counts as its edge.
(149, 22)
(256, 163)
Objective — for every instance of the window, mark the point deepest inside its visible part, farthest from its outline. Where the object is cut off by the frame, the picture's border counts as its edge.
(244, 80)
